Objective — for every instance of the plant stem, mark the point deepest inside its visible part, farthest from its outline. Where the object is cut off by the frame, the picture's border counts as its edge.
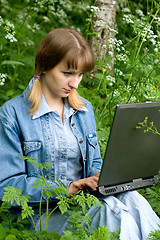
(47, 213)
(146, 34)
(40, 211)
(53, 211)
(136, 52)
(34, 223)
(92, 29)
(137, 84)
(133, 60)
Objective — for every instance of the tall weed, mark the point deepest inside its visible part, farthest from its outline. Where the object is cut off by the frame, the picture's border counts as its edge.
(75, 206)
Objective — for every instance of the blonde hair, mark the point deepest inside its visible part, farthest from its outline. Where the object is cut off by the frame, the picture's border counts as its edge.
(60, 44)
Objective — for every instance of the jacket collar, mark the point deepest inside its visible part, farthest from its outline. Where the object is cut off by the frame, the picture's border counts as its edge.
(26, 91)
(44, 108)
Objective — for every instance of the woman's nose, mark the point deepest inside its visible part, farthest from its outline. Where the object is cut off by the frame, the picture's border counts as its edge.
(74, 82)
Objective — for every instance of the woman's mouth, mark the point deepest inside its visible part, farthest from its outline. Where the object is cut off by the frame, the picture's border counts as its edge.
(67, 90)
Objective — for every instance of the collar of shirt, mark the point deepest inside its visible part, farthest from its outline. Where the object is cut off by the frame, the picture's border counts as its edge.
(44, 108)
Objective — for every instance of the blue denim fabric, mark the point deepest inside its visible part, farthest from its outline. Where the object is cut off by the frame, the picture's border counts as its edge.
(22, 135)
(67, 154)
(35, 137)
(128, 211)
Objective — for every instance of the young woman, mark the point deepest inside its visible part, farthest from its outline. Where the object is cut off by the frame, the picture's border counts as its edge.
(52, 123)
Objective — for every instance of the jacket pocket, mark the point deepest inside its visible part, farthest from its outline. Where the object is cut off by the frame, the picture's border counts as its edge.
(32, 149)
(92, 139)
(31, 146)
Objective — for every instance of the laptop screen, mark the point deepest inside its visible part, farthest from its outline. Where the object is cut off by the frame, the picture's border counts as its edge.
(131, 153)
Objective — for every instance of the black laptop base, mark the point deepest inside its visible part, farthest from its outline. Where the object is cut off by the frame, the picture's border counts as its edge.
(135, 184)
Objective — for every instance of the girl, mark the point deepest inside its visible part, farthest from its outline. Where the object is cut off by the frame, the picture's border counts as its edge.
(52, 123)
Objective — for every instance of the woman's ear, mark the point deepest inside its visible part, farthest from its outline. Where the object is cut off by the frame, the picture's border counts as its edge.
(42, 74)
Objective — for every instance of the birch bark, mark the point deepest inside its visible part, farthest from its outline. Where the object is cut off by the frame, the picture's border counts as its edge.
(104, 27)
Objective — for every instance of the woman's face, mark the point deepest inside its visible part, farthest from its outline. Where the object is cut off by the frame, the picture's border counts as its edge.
(59, 81)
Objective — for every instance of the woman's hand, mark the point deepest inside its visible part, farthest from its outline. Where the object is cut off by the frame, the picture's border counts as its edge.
(83, 184)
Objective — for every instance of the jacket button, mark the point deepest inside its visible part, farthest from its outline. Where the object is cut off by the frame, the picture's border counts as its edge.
(90, 135)
(81, 141)
(73, 124)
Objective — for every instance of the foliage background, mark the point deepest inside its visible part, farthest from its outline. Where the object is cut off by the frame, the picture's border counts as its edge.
(136, 73)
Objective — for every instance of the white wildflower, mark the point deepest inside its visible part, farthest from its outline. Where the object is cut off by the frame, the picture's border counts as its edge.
(140, 13)
(28, 42)
(133, 99)
(46, 19)
(126, 10)
(115, 93)
(128, 88)
(119, 72)
(3, 77)
(110, 84)
(10, 33)
(112, 30)
(10, 37)
(36, 26)
(156, 61)
(104, 46)
(1, 21)
(127, 19)
(153, 41)
(122, 58)
(110, 79)
(156, 50)
(94, 8)
(8, 26)
(110, 53)
(150, 66)
(99, 23)
(111, 41)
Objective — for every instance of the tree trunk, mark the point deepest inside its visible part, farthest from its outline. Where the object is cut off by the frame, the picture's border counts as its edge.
(104, 27)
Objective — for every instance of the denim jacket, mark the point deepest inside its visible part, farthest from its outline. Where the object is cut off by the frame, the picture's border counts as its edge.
(23, 135)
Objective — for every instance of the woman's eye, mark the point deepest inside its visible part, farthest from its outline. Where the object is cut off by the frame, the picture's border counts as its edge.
(67, 73)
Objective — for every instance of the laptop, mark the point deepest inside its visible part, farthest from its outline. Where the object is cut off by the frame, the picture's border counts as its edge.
(132, 157)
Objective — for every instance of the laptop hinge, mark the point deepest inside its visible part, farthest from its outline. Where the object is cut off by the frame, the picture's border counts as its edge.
(137, 179)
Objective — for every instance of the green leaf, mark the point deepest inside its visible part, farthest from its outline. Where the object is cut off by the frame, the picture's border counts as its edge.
(22, 87)
(3, 232)
(102, 233)
(99, 76)
(154, 235)
(10, 62)
(26, 212)
(59, 190)
(10, 237)
(38, 184)
(5, 207)
(49, 235)
(9, 93)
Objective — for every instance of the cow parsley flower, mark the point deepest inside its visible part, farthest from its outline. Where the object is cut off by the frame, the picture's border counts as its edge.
(3, 77)
(1, 21)
(10, 37)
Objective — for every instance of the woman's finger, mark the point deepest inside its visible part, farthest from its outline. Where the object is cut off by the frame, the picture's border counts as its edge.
(83, 184)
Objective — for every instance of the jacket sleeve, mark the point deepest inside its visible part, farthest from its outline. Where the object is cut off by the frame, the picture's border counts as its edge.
(13, 169)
